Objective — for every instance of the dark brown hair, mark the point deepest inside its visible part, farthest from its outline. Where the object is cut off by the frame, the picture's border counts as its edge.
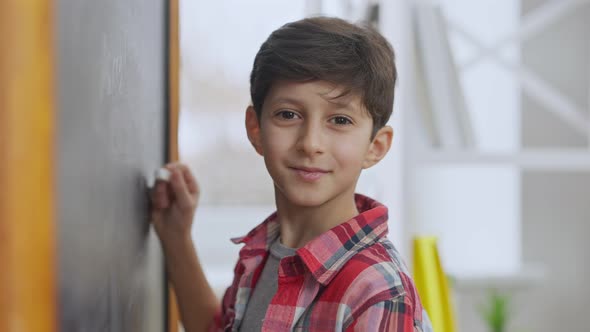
(332, 50)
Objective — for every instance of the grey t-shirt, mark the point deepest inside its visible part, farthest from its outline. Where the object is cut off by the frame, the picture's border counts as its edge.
(266, 287)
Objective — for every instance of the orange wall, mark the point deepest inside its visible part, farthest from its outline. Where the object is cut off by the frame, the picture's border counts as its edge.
(27, 246)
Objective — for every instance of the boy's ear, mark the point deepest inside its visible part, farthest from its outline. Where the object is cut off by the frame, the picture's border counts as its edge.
(379, 146)
(253, 129)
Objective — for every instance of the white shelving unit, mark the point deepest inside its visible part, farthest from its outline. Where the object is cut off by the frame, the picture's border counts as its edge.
(525, 278)
(558, 160)
(410, 157)
(538, 280)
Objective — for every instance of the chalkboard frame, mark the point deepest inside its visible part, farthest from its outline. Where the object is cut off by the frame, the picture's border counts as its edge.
(173, 58)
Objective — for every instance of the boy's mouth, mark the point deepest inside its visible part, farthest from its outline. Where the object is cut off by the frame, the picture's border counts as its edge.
(309, 174)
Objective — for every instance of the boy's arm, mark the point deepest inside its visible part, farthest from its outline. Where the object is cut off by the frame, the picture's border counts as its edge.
(196, 301)
(174, 202)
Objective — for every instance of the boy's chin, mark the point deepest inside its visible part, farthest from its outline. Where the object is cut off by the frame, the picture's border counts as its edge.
(307, 202)
(308, 199)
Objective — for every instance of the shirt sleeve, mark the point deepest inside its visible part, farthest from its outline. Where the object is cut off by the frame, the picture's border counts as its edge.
(220, 317)
(394, 315)
(215, 325)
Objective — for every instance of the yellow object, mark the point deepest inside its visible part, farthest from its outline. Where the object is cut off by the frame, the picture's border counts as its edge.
(28, 295)
(432, 284)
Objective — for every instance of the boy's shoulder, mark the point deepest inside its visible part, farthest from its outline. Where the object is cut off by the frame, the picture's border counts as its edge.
(377, 262)
(375, 274)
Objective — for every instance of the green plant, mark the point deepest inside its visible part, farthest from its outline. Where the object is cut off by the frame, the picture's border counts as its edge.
(495, 312)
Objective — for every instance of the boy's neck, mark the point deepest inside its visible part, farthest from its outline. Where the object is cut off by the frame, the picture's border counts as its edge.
(300, 224)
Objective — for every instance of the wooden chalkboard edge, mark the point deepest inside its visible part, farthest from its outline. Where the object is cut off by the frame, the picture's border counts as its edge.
(173, 61)
(174, 79)
(28, 295)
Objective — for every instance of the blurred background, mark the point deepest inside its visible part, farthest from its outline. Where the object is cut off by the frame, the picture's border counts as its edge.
(491, 152)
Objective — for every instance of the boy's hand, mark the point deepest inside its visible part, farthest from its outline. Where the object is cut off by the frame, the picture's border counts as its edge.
(173, 204)
(172, 211)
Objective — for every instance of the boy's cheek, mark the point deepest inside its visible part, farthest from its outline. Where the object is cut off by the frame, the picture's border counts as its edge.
(275, 144)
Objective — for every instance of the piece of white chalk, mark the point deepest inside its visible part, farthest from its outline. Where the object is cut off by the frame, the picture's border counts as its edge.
(163, 174)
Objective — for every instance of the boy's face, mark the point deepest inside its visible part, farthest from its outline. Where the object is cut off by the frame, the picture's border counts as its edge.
(315, 146)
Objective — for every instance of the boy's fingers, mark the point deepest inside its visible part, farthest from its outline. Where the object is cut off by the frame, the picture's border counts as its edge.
(180, 189)
(159, 195)
(191, 183)
(162, 192)
(156, 218)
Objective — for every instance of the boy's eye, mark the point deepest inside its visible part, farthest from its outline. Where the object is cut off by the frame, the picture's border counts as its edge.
(287, 115)
(341, 120)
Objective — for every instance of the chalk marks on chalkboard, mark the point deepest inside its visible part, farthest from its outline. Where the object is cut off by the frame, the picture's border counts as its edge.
(112, 62)
(112, 111)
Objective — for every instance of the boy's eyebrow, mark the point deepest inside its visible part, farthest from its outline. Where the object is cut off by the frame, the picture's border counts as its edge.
(342, 105)
(286, 100)
(337, 104)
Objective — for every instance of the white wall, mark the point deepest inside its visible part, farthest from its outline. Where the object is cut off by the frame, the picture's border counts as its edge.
(556, 206)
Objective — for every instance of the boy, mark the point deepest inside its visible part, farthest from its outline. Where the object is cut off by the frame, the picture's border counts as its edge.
(322, 91)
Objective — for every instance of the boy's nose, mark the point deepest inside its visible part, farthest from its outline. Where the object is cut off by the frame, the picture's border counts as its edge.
(311, 140)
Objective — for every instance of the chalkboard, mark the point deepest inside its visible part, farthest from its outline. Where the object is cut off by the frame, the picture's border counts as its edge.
(112, 108)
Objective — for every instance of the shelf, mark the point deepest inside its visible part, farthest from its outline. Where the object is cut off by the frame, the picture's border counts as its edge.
(525, 278)
(531, 159)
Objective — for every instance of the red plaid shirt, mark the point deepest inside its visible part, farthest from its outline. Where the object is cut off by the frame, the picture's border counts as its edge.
(350, 278)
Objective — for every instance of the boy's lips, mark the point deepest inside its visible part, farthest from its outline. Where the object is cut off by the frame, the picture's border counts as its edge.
(309, 174)
(310, 169)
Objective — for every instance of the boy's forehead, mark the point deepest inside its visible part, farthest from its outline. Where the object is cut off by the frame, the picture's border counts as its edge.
(310, 91)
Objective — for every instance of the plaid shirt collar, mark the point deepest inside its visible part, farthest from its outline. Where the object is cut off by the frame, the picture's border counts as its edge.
(325, 255)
